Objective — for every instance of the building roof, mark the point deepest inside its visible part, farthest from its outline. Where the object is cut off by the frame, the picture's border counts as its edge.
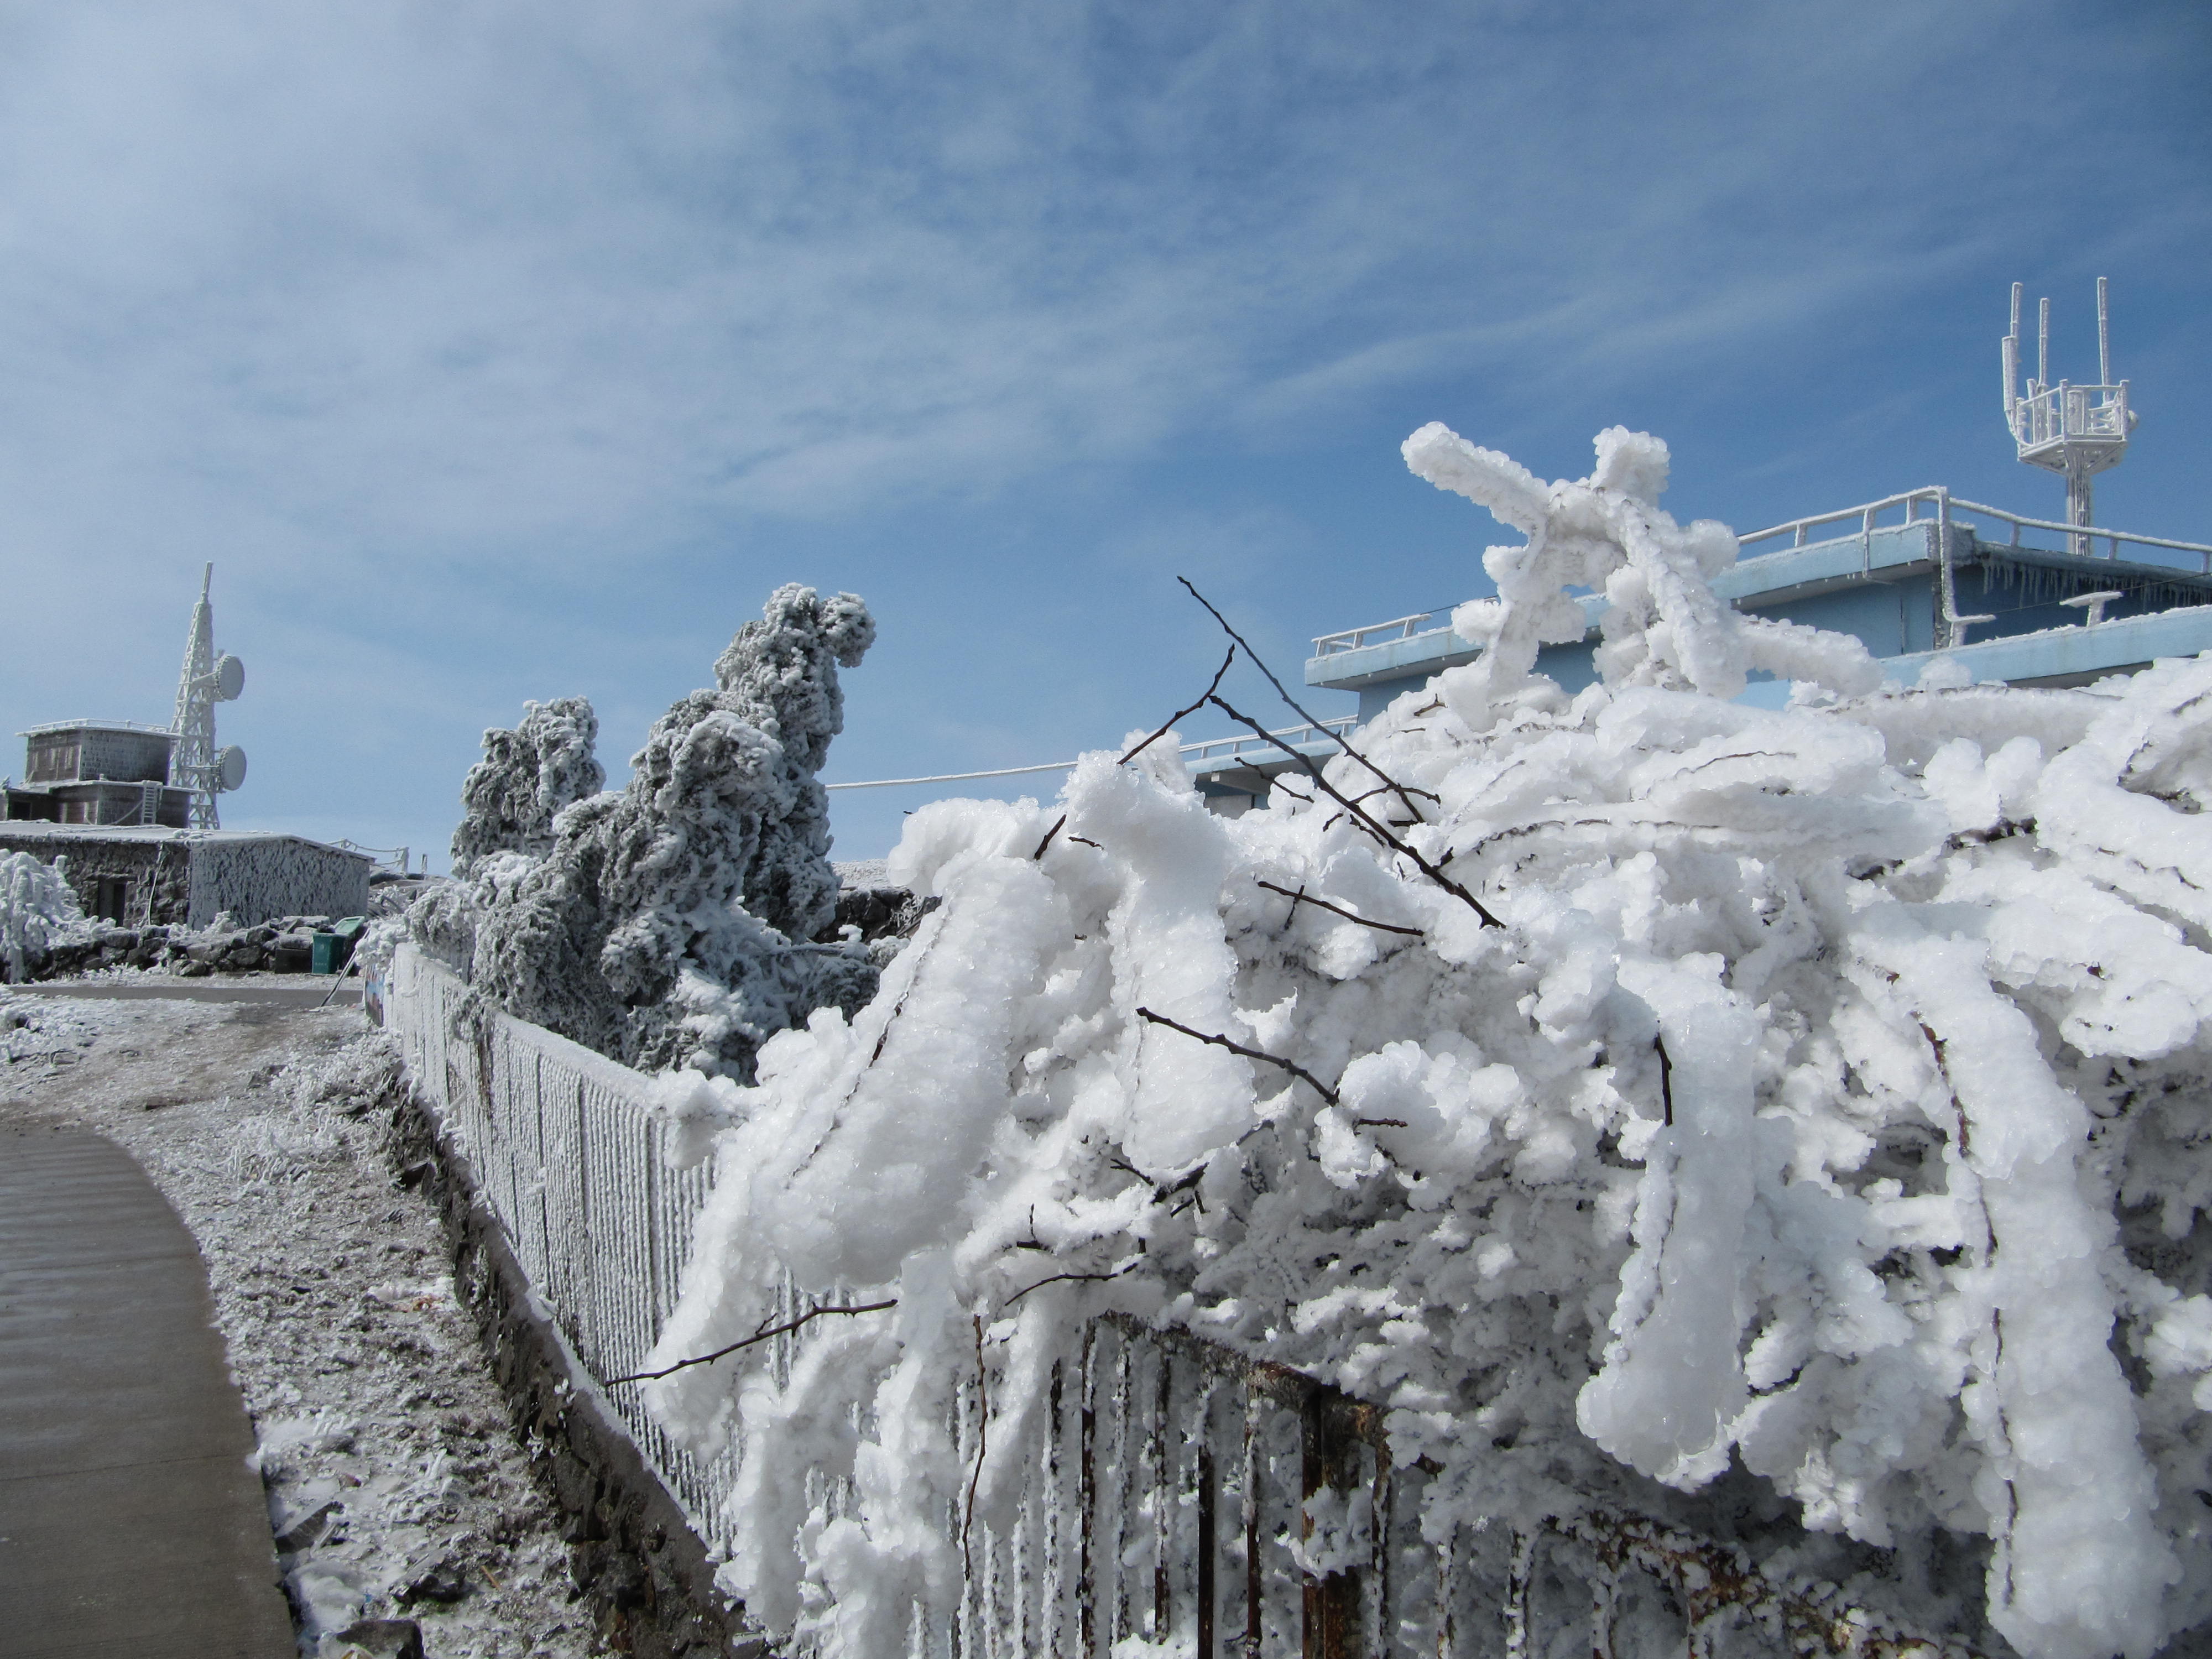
(44, 829)
(138, 727)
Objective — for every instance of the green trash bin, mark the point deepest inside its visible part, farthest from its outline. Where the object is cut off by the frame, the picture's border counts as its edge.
(333, 946)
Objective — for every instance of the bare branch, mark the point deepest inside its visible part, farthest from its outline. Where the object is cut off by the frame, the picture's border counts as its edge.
(1213, 686)
(757, 1337)
(1059, 1278)
(1302, 896)
(1360, 815)
(1382, 777)
(1666, 1078)
(983, 1443)
(1289, 1065)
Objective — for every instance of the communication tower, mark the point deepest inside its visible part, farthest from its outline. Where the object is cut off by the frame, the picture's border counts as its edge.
(2077, 431)
(195, 763)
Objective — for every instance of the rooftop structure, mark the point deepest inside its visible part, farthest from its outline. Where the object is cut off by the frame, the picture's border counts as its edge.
(1915, 576)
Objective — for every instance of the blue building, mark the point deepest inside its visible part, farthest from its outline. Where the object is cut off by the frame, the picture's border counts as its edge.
(1914, 576)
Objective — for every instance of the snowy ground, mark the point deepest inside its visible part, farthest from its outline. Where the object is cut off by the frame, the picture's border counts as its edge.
(397, 1487)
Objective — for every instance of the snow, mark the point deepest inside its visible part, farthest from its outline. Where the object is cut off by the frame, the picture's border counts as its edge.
(672, 923)
(38, 910)
(396, 1487)
(1919, 975)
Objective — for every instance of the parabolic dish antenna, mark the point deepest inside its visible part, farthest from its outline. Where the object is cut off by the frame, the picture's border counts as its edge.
(229, 681)
(230, 764)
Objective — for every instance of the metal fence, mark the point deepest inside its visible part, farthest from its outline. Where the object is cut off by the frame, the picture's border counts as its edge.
(1180, 1495)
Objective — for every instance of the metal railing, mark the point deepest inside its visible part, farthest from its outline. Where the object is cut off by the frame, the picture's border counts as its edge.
(1866, 516)
(1220, 749)
(2052, 413)
(1177, 1492)
(1398, 628)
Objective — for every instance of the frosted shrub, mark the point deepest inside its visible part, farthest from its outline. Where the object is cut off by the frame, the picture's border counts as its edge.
(672, 923)
(510, 798)
(37, 912)
(1827, 1102)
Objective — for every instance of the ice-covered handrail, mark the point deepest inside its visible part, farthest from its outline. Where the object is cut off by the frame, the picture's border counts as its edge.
(1353, 639)
(1865, 514)
(1212, 748)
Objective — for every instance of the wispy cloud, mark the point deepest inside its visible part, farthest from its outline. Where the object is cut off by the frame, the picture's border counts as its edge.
(490, 303)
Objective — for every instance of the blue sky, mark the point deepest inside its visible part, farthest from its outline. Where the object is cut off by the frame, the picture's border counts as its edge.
(517, 350)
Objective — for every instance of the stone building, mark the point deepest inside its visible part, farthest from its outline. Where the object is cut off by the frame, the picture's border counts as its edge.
(141, 876)
(104, 772)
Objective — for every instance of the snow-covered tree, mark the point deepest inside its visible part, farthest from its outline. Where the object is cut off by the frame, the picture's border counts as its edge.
(510, 798)
(1660, 1087)
(674, 922)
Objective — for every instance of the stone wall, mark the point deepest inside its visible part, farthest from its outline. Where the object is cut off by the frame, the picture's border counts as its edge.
(259, 877)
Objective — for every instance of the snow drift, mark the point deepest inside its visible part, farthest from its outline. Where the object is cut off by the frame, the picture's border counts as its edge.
(671, 924)
(1825, 1102)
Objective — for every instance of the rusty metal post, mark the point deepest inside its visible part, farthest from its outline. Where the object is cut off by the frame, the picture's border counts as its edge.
(1163, 1462)
(1086, 1575)
(1326, 1457)
(1254, 1577)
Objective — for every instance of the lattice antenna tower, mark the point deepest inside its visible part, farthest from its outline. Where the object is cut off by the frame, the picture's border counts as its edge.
(2077, 431)
(195, 763)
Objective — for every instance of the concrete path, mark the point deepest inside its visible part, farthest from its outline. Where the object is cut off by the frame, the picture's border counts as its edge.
(130, 1522)
(289, 992)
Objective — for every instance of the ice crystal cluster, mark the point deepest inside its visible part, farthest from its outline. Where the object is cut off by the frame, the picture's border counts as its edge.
(1920, 975)
(672, 923)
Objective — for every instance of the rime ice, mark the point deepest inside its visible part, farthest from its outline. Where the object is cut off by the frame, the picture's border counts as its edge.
(1922, 974)
(669, 924)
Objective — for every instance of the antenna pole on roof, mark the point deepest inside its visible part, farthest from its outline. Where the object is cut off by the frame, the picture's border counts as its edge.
(2104, 339)
(2077, 431)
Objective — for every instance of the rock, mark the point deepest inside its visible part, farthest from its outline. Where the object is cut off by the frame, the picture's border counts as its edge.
(374, 1638)
(309, 1529)
(443, 1581)
(193, 969)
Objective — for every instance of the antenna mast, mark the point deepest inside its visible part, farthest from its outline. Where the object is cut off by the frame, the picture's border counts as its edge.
(195, 763)
(2077, 431)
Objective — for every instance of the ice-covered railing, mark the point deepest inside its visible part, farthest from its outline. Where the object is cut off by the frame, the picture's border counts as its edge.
(1199, 754)
(562, 1148)
(1398, 628)
(1181, 1494)
(1937, 503)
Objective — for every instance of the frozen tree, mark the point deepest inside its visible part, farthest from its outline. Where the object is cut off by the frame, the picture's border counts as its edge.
(38, 910)
(673, 923)
(1807, 1097)
(510, 798)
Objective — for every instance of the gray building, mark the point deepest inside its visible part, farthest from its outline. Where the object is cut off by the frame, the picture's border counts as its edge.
(97, 772)
(140, 877)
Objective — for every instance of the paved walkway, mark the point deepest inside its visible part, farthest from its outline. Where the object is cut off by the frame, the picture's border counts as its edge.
(130, 1522)
(288, 992)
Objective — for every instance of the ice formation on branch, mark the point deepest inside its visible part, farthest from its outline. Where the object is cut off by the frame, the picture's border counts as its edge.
(510, 798)
(1921, 976)
(672, 923)
(37, 911)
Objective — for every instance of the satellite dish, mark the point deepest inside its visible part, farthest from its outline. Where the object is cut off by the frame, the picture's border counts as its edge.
(229, 681)
(230, 764)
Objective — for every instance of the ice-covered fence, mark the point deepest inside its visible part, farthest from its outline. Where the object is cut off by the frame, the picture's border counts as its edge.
(1183, 1494)
(563, 1150)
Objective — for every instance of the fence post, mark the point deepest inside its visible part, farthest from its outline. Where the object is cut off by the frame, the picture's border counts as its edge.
(1327, 1458)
